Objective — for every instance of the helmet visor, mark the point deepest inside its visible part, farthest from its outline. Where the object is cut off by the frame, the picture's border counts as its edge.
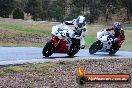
(80, 25)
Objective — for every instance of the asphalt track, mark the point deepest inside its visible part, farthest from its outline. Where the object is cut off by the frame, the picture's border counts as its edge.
(21, 55)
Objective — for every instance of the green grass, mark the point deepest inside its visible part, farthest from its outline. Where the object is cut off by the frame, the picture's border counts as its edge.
(15, 69)
(44, 29)
(27, 68)
(22, 45)
(90, 40)
(127, 45)
(20, 28)
(43, 67)
(2, 73)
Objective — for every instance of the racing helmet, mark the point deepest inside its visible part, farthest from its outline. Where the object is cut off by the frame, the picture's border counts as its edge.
(117, 26)
(80, 21)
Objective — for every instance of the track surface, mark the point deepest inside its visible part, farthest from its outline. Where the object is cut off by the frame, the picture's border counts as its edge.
(20, 55)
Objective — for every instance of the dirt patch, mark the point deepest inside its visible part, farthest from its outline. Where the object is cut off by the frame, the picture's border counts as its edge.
(63, 74)
(10, 36)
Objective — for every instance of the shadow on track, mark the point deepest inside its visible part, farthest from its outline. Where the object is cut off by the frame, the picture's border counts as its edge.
(54, 57)
(103, 55)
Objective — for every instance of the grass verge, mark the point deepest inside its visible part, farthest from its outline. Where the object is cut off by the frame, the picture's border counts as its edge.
(35, 34)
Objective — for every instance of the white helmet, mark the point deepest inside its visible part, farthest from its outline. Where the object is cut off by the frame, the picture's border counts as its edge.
(80, 21)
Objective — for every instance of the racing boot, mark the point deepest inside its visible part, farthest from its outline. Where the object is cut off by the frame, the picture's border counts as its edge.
(82, 43)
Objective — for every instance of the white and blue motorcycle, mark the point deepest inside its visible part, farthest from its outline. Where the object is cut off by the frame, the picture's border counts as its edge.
(104, 43)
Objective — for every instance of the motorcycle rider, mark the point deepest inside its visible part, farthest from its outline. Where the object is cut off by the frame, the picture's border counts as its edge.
(79, 28)
(118, 34)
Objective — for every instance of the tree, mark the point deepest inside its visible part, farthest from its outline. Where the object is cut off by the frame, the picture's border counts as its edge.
(6, 7)
(34, 7)
(18, 13)
(80, 4)
(21, 4)
(88, 8)
(45, 6)
(57, 10)
(108, 7)
(93, 10)
(127, 4)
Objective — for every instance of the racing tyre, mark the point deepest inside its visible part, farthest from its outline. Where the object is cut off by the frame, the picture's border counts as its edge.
(48, 49)
(113, 51)
(75, 47)
(95, 47)
(73, 50)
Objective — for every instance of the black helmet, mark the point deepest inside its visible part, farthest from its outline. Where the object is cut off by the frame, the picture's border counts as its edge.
(117, 26)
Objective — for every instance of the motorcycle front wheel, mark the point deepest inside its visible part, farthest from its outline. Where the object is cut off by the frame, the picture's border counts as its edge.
(95, 47)
(48, 49)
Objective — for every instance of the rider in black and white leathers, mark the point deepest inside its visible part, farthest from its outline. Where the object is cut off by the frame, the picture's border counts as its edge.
(79, 28)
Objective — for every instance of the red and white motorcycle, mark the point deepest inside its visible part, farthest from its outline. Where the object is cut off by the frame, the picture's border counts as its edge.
(63, 40)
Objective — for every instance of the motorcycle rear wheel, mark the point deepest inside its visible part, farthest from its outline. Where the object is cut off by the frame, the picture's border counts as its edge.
(48, 49)
(73, 51)
(113, 51)
(74, 48)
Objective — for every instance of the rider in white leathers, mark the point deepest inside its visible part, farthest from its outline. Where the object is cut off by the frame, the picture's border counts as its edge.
(79, 28)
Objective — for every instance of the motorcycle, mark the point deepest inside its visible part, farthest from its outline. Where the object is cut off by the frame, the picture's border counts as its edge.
(106, 42)
(63, 40)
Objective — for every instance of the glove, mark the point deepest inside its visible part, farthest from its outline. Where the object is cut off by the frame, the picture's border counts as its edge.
(116, 40)
(77, 36)
(84, 29)
(67, 23)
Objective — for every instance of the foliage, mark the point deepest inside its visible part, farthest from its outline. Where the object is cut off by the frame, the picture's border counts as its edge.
(6, 7)
(60, 10)
(34, 7)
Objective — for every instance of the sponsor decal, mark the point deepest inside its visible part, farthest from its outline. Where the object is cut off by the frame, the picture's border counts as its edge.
(83, 78)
